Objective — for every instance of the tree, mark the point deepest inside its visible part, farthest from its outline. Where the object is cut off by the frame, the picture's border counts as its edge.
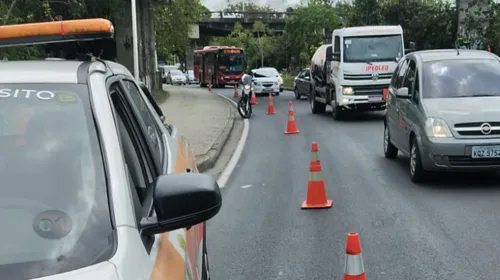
(172, 23)
(308, 27)
(259, 28)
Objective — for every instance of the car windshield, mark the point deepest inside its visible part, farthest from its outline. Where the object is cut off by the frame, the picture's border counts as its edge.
(461, 78)
(53, 198)
(373, 48)
(230, 63)
(265, 73)
(176, 73)
(165, 69)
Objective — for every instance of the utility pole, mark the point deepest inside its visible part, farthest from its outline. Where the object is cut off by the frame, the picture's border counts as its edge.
(135, 41)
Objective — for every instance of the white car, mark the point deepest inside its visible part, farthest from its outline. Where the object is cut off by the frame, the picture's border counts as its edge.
(266, 80)
(96, 184)
(176, 77)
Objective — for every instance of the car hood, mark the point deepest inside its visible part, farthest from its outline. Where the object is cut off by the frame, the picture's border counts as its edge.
(101, 271)
(463, 110)
(266, 79)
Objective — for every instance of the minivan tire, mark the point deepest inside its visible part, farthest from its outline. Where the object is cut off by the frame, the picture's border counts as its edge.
(417, 172)
(390, 151)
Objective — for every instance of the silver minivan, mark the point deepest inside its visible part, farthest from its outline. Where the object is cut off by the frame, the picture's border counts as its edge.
(443, 110)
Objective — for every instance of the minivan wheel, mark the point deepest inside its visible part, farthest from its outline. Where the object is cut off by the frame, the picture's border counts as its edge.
(390, 151)
(417, 173)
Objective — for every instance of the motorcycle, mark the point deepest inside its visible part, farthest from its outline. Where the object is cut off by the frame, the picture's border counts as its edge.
(245, 104)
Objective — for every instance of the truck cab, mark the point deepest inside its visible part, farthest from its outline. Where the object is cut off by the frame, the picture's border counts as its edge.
(353, 73)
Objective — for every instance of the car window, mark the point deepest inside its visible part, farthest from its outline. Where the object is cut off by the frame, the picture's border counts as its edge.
(372, 48)
(416, 88)
(396, 74)
(265, 72)
(139, 164)
(176, 73)
(398, 82)
(54, 202)
(302, 74)
(410, 76)
(461, 78)
(307, 73)
(336, 45)
(149, 124)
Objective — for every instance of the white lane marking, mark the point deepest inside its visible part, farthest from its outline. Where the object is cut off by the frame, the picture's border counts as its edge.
(246, 186)
(231, 165)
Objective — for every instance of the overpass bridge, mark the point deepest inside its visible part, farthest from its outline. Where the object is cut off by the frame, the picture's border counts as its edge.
(220, 24)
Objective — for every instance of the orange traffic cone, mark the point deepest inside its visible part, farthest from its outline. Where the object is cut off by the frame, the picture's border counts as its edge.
(354, 268)
(316, 192)
(253, 100)
(235, 91)
(291, 126)
(210, 87)
(270, 106)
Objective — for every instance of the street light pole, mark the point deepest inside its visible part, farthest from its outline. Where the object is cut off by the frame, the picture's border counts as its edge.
(135, 40)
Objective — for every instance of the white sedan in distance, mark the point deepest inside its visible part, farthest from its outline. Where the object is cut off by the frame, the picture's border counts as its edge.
(266, 80)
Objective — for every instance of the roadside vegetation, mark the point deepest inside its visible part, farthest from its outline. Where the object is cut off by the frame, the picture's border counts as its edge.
(430, 24)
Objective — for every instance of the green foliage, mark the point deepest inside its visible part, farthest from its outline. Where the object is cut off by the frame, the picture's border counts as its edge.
(172, 22)
(308, 27)
(26, 11)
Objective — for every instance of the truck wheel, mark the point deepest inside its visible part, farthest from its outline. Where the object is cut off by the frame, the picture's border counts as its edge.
(316, 107)
(337, 112)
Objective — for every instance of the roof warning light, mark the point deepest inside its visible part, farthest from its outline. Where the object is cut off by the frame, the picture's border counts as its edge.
(55, 32)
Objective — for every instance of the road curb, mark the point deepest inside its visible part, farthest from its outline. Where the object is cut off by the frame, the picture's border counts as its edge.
(208, 160)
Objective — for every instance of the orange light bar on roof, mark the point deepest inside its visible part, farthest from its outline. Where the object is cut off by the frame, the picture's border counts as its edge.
(55, 32)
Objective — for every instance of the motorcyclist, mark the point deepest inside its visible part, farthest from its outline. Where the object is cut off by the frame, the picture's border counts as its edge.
(247, 78)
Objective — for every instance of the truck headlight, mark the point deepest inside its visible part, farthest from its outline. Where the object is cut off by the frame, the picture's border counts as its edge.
(347, 90)
(437, 128)
(247, 87)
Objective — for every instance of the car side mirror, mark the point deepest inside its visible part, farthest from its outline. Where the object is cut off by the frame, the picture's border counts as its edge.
(336, 56)
(402, 93)
(182, 200)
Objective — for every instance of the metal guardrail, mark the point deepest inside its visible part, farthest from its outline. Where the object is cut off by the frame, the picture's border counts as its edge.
(250, 15)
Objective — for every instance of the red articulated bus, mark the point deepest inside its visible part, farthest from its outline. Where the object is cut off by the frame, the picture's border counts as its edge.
(219, 65)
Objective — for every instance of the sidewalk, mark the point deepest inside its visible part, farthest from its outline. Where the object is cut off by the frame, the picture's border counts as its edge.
(205, 119)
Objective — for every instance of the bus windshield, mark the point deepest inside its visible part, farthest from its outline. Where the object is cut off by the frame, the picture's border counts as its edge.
(231, 63)
(373, 48)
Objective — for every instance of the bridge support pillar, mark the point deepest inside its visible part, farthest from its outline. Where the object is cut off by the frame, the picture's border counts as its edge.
(193, 45)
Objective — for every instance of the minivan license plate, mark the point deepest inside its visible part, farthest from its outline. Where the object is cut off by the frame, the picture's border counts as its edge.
(486, 152)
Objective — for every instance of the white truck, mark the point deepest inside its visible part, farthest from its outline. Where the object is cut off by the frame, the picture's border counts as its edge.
(353, 73)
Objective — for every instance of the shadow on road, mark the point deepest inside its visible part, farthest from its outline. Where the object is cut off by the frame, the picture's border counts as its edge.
(353, 117)
(449, 180)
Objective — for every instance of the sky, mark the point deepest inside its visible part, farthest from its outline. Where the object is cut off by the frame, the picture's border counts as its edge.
(279, 5)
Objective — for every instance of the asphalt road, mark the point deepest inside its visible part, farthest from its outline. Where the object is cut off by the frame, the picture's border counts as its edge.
(447, 229)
